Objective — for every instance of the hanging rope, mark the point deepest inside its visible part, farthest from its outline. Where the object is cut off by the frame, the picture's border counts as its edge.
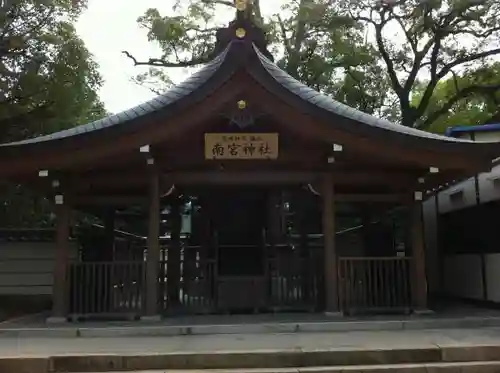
(170, 191)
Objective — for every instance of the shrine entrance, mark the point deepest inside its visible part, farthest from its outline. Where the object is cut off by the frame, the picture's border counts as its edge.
(255, 267)
(239, 223)
(238, 214)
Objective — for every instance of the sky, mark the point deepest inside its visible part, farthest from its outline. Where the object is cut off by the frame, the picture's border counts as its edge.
(110, 26)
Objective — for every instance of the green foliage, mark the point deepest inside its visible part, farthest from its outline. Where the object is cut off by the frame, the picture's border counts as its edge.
(48, 82)
(435, 38)
(376, 55)
(316, 44)
(467, 104)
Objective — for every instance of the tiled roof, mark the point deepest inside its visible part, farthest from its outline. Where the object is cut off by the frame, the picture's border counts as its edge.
(290, 84)
(327, 103)
(154, 105)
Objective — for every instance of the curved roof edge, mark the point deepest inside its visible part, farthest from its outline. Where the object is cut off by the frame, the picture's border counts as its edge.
(328, 104)
(160, 102)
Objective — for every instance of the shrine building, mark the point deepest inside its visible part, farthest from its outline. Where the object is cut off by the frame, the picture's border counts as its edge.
(297, 202)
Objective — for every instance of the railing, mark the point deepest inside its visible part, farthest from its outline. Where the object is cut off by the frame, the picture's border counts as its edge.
(293, 283)
(378, 284)
(106, 288)
(288, 282)
(197, 286)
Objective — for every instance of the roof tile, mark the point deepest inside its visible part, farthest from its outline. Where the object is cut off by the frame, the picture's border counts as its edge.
(158, 103)
(327, 103)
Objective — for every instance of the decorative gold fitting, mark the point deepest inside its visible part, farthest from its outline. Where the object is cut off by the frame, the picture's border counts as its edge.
(240, 33)
(242, 104)
(241, 5)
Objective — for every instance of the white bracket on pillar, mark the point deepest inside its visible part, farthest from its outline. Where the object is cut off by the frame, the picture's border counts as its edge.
(433, 170)
(56, 184)
(150, 161)
(421, 180)
(419, 196)
(331, 160)
(59, 199)
(144, 149)
(43, 173)
(337, 148)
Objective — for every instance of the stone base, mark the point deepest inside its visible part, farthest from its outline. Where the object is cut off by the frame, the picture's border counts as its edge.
(56, 320)
(153, 318)
(334, 314)
(423, 312)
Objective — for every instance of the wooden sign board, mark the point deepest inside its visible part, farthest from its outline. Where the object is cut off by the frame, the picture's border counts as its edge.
(241, 146)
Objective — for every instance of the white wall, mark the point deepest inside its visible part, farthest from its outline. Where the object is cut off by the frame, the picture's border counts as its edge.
(462, 274)
(489, 190)
(487, 136)
(492, 264)
(26, 268)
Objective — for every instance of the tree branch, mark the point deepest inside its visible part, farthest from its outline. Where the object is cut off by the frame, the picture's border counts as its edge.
(286, 42)
(158, 62)
(471, 57)
(489, 89)
(220, 2)
(391, 71)
(429, 90)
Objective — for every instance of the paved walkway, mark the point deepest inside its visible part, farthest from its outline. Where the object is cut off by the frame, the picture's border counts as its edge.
(12, 347)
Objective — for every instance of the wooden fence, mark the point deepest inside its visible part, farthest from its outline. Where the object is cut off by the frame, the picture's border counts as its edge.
(290, 282)
(377, 284)
(98, 288)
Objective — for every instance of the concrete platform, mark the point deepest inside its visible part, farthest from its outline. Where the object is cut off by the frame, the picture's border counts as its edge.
(242, 324)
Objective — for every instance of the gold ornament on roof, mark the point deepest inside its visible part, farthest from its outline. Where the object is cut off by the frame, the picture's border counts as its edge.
(242, 104)
(240, 33)
(241, 5)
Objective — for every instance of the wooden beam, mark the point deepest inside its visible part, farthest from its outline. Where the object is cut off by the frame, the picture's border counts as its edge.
(110, 200)
(235, 178)
(377, 198)
(134, 199)
(268, 177)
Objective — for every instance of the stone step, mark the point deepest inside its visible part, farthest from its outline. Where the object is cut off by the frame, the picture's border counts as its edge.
(471, 367)
(275, 361)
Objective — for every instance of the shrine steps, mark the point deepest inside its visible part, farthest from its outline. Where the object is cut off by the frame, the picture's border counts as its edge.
(463, 359)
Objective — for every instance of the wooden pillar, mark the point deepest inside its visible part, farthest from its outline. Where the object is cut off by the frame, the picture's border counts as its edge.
(174, 254)
(60, 287)
(274, 216)
(330, 255)
(153, 254)
(419, 277)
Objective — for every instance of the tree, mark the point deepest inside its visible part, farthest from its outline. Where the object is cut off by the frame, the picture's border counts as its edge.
(48, 82)
(314, 43)
(424, 42)
(474, 109)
